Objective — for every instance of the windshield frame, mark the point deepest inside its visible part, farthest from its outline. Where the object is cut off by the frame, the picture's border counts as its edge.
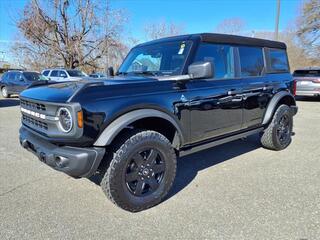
(183, 69)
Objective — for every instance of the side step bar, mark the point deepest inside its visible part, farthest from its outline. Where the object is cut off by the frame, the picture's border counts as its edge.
(218, 142)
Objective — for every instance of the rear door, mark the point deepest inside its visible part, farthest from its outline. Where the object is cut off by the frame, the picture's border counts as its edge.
(263, 70)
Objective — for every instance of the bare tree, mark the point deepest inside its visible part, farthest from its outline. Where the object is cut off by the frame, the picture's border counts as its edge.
(162, 29)
(70, 32)
(233, 26)
(309, 27)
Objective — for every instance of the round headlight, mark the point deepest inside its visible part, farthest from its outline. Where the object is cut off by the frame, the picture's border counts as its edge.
(65, 119)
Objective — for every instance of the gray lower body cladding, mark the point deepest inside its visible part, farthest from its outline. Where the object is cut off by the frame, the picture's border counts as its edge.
(76, 162)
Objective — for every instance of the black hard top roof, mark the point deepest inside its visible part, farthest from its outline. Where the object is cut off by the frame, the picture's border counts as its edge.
(222, 38)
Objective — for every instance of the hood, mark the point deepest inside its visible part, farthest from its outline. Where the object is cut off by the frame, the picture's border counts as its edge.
(63, 91)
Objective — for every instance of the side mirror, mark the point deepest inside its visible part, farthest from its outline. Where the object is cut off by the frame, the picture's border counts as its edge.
(201, 70)
(21, 79)
(110, 71)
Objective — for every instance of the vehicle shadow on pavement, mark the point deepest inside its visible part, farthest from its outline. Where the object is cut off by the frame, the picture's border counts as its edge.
(189, 166)
(9, 102)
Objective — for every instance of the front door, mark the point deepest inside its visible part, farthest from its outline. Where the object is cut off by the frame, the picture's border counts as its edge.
(215, 108)
(215, 105)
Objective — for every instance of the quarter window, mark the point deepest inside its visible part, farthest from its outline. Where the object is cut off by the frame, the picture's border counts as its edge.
(251, 61)
(277, 60)
(221, 57)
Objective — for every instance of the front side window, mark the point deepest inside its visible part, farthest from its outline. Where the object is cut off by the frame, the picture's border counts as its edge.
(11, 76)
(251, 61)
(277, 60)
(221, 57)
(157, 59)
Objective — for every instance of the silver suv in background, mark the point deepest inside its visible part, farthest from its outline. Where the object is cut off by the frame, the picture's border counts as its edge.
(61, 75)
(307, 81)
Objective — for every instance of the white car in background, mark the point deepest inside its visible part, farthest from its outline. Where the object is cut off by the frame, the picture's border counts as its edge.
(61, 74)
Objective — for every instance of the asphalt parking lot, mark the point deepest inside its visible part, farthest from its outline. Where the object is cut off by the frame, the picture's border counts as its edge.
(234, 191)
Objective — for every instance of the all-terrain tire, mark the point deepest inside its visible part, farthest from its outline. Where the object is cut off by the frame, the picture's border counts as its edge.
(271, 136)
(114, 183)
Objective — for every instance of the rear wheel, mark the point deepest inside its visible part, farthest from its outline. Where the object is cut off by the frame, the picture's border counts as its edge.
(277, 135)
(141, 172)
(4, 92)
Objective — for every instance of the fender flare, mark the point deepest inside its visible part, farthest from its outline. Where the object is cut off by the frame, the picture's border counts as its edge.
(273, 104)
(115, 127)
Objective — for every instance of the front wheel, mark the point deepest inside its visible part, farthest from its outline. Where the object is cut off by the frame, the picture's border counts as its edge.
(277, 135)
(141, 172)
(4, 92)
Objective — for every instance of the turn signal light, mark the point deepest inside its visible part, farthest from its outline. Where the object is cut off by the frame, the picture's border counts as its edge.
(80, 119)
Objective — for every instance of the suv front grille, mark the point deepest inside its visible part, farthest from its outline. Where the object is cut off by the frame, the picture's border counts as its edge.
(32, 105)
(34, 123)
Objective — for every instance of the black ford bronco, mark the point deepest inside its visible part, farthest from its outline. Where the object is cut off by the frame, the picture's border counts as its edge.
(170, 97)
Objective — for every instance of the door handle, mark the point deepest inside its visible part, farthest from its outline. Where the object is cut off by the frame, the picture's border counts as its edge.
(233, 92)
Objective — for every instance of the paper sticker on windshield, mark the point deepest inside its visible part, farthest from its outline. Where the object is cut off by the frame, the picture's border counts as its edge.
(181, 50)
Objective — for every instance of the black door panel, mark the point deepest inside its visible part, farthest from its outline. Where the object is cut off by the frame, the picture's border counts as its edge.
(215, 107)
(256, 96)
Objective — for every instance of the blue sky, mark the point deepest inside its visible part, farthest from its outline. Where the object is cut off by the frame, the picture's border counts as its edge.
(193, 15)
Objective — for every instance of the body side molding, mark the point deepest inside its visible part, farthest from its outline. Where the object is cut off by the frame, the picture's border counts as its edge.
(123, 121)
(273, 103)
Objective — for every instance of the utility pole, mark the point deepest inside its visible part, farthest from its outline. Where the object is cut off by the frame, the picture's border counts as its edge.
(276, 33)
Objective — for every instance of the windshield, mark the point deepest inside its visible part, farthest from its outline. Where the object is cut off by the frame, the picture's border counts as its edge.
(157, 59)
(306, 73)
(34, 76)
(76, 73)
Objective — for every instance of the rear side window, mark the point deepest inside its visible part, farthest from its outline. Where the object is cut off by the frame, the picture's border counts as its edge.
(54, 73)
(251, 61)
(46, 73)
(277, 60)
(221, 57)
(306, 73)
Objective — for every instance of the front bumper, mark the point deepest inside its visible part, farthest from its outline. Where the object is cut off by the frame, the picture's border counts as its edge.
(76, 162)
